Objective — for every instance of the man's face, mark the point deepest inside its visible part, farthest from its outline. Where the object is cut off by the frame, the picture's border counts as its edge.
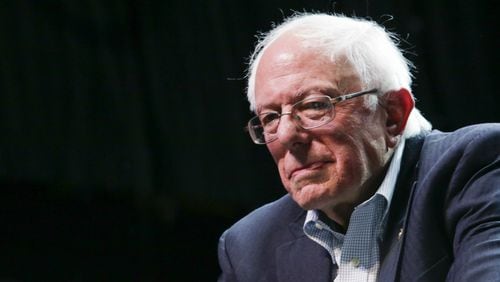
(338, 165)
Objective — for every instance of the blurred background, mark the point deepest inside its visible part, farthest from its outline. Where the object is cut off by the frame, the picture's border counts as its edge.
(122, 150)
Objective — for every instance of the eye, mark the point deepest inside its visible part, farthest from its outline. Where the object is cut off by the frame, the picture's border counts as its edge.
(314, 106)
(268, 118)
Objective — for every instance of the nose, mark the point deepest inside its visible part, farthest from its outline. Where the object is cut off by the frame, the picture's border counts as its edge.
(289, 133)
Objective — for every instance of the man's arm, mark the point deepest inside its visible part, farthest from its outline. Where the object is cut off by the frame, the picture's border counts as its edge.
(224, 262)
(473, 213)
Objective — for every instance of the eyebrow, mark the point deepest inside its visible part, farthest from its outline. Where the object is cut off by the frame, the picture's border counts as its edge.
(332, 92)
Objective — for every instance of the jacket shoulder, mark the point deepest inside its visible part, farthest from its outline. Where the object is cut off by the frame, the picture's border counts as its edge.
(247, 249)
(464, 135)
(273, 216)
(481, 141)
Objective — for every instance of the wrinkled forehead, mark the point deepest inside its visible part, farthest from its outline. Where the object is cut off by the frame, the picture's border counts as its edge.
(286, 50)
(290, 51)
(289, 68)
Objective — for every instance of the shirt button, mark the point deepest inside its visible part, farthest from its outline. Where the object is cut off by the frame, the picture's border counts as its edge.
(355, 262)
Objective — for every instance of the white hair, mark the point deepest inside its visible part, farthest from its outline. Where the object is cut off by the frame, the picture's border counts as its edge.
(371, 50)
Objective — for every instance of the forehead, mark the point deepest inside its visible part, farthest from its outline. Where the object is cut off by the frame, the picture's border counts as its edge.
(289, 70)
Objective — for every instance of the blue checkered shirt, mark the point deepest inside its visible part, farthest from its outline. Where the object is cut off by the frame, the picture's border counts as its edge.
(355, 254)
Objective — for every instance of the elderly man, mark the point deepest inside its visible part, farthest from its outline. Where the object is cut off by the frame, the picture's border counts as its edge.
(373, 193)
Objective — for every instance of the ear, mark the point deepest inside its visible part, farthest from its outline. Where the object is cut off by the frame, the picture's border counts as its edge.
(398, 105)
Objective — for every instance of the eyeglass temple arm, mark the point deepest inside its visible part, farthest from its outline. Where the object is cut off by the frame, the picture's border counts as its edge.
(352, 95)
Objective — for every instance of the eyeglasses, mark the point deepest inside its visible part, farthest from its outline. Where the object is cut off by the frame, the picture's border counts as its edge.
(309, 113)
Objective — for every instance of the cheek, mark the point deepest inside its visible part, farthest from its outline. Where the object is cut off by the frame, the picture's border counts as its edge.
(361, 134)
(287, 184)
(281, 169)
(278, 154)
(277, 151)
(347, 159)
(349, 150)
(359, 157)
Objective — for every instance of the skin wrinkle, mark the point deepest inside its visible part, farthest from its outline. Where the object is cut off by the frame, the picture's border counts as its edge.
(336, 166)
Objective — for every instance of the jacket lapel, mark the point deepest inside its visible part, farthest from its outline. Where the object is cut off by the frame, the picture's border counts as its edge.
(302, 259)
(395, 230)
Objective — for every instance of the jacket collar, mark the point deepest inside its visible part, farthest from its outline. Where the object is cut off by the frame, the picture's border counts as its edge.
(302, 259)
(390, 250)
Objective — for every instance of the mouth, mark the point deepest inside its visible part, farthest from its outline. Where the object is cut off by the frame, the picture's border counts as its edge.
(307, 169)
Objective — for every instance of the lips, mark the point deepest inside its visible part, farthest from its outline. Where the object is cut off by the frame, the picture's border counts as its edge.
(310, 167)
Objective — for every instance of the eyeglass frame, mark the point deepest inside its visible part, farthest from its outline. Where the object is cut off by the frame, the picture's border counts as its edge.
(333, 101)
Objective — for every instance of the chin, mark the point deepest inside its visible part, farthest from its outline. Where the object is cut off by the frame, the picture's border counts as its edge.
(310, 198)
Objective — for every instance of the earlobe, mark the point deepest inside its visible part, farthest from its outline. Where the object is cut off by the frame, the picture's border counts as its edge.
(398, 105)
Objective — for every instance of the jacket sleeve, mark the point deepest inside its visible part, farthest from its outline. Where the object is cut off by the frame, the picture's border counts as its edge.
(473, 212)
(227, 273)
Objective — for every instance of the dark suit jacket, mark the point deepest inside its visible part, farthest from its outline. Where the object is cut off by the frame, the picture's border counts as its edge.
(444, 220)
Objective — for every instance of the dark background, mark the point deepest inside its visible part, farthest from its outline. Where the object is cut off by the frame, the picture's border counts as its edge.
(123, 155)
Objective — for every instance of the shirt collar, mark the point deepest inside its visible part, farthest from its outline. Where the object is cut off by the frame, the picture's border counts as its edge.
(386, 189)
